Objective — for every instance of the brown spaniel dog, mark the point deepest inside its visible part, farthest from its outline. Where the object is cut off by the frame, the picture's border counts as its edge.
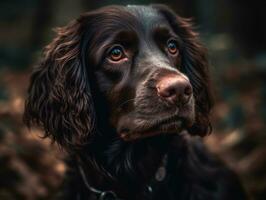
(126, 92)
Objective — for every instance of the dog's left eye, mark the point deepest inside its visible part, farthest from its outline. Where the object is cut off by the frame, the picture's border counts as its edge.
(172, 46)
(116, 53)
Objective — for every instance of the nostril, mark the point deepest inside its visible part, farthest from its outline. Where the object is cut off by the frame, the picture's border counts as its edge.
(166, 92)
(163, 91)
(188, 90)
(171, 92)
(185, 97)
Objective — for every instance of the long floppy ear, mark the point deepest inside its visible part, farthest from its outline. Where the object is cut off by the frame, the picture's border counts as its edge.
(59, 98)
(195, 65)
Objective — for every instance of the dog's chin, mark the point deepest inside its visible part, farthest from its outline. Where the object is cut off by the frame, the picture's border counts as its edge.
(133, 128)
(164, 129)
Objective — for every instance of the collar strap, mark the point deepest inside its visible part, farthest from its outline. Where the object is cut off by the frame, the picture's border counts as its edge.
(101, 195)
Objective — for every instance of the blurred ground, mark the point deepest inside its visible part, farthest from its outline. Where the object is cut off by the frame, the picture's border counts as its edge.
(235, 34)
(30, 168)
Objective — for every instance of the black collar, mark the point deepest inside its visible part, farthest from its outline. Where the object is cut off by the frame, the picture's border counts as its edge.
(110, 195)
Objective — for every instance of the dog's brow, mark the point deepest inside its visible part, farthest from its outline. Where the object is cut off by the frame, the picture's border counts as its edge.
(163, 30)
(127, 36)
(162, 33)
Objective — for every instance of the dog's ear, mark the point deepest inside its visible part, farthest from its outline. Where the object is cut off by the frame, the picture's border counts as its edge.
(195, 65)
(59, 98)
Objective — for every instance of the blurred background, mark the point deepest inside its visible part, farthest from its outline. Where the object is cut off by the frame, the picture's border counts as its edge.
(234, 31)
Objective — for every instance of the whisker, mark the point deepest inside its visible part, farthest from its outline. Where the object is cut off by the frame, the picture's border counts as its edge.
(125, 102)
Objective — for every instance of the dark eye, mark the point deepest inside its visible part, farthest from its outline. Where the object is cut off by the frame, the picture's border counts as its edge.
(172, 46)
(116, 53)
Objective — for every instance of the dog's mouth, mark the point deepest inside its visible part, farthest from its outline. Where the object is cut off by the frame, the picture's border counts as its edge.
(136, 125)
(170, 125)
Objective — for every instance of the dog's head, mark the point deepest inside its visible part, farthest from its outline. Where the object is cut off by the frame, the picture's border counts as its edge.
(135, 71)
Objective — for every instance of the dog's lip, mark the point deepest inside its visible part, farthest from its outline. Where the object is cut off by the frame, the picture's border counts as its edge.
(169, 125)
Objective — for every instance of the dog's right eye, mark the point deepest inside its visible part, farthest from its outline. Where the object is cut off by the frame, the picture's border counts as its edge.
(116, 53)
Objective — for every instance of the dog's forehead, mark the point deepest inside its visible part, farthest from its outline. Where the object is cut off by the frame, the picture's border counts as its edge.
(146, 15)
(135, 18)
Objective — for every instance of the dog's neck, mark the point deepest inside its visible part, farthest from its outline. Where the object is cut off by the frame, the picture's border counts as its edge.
(160, 175)
(123, 166)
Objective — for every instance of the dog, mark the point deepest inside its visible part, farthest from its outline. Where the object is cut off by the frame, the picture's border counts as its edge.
(125, 90)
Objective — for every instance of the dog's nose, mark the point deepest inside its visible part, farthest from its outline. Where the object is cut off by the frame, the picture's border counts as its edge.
(174, 89)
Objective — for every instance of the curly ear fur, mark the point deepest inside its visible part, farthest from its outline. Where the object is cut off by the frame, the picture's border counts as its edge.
(195, 65)
(58, 97)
